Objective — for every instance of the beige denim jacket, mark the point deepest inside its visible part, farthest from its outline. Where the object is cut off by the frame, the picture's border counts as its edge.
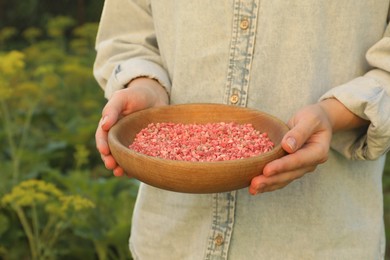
(275, 56)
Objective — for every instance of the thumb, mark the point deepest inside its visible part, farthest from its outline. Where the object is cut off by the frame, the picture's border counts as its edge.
(296, 137)
(289, 144)
(111, 113)
(107, 121)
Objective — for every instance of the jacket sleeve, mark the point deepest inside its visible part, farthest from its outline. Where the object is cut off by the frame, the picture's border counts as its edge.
(368, 97)
(126, 46)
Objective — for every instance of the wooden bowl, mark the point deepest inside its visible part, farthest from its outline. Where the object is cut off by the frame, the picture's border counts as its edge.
(193, 177)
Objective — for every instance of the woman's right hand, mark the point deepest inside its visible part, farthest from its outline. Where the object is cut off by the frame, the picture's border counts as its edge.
(140, 93)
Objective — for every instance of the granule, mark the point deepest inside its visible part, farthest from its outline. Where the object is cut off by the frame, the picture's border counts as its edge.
(201, 142)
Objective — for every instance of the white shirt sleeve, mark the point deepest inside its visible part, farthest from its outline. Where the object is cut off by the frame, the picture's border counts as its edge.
(127, 47)
(369, 98)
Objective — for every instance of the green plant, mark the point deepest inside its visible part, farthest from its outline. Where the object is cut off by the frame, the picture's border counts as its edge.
(44, 213)
(108, 224)
(37, 84)
(49, 106)
(11, 66)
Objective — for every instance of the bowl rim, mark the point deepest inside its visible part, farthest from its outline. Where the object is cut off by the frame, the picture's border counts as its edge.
(115, 128)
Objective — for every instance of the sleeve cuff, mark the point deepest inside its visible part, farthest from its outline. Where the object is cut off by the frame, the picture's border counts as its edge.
(135, 68)
(367, 98)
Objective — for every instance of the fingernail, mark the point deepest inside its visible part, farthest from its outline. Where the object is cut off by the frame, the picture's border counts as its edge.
(104, 120)
(118, 173)
(269, 173)
(292, 143)
(261, 187)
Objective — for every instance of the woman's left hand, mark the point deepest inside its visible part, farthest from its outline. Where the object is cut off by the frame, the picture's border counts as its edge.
(307, 144)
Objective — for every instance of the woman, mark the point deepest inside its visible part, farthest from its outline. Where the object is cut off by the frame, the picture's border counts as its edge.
(327, 60)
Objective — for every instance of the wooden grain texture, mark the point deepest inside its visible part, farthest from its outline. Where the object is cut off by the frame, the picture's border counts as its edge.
(194, 177)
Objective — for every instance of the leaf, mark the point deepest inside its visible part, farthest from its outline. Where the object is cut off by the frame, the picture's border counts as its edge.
(4, 224)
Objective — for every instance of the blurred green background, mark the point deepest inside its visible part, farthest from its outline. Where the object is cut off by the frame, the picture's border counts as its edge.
(57, 201)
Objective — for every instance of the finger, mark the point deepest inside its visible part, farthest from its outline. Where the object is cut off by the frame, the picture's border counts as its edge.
(118, 171)
(101, 137)
(121, 105)
(297, 135)
(310, 155)
(263, 183)
(258, 184)
(110, 115)
(109, 162)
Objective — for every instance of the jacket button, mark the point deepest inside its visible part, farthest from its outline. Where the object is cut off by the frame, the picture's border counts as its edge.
(234, 98)
(218, 240)
(244, 24)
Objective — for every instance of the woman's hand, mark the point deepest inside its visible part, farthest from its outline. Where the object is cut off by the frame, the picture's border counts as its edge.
(141, 93)
(307, 143)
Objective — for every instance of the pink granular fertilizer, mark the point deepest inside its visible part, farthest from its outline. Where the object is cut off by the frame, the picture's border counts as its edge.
(201, 142)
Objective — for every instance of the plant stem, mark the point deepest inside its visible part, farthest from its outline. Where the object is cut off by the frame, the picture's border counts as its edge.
(26, 128)
(101, 250)
(16, 149)
(45, 235)
(27, 231)
(36, 228)
(56, 233)
(11, 141)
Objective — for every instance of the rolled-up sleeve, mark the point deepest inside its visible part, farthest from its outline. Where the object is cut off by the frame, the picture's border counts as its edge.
(369, 98)
(126, 46)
